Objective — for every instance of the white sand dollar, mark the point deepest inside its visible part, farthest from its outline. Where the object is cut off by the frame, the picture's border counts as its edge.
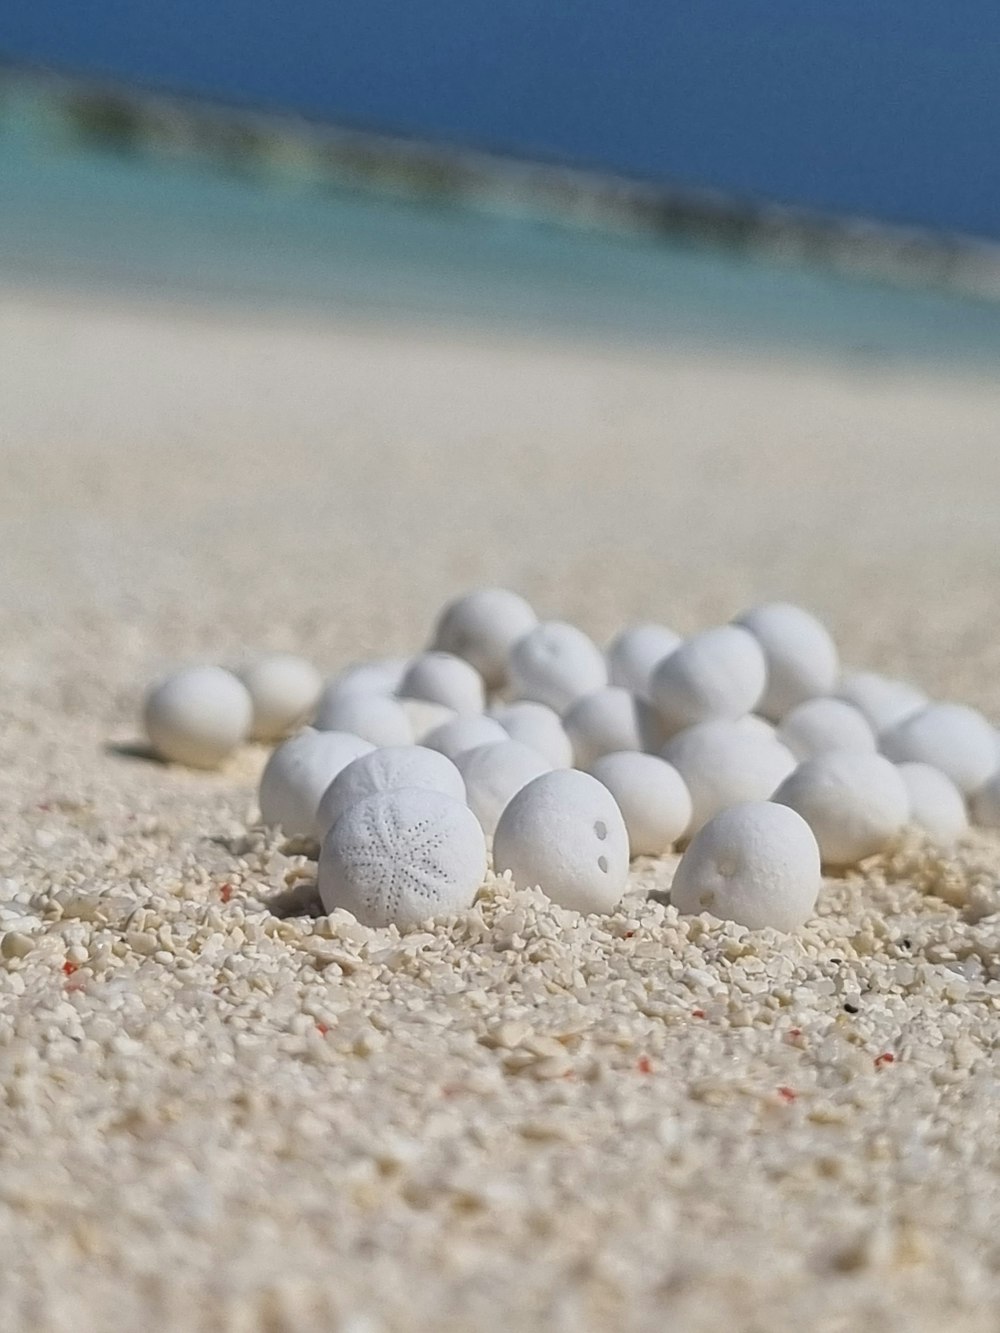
(564, 833)
(951, 737)
(388, 769)
(756, 863)
(723, 763)
(284, 690)
(401, 856)
(802, 658)
(539, 727)
(465, 733)
(936, 805)
(443, 678)
(884, 701)
(611, 719)
(855, 804)
(555, 664)
(818, 725)
(373, 717)
(299, 772)
(483, 627)
(985, 803)
(635, 652)
(198, 716)
(719, 674)
(494, 774)
(652, 796)
(425, 717)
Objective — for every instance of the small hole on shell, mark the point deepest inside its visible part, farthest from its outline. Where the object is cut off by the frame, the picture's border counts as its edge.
(601, 829)
(602, 862)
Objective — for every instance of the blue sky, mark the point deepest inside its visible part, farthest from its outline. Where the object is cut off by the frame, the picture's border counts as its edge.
(883, 107)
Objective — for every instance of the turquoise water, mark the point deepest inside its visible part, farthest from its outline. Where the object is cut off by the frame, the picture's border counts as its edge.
(179, 227)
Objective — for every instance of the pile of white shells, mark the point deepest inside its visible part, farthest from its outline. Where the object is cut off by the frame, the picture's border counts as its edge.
(745, 744)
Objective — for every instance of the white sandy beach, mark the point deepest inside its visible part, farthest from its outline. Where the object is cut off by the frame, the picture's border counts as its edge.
(223, 1112)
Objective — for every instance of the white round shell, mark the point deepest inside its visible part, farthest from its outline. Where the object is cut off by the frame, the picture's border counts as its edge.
(756, 863)
(443, 678)
(555, 664)
(482, 627)
(284, 690)
(383, 675)
(299, 772)
(539, 727)
(855, 804)
(494, 774)
(611, 719)
(652, 796)
(719, 674)
(936, 804)
(373, 717)
(425, 717)
(565, 833)
(465, 733)
(388, 769)
(723, 763)
(198, 716)
(399, 857)
(635, 652)
(818, 725)
(985, 803)
(884, 701)
(802, 658)
(956, 739)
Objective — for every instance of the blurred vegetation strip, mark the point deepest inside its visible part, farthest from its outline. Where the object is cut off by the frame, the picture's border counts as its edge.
(243, 141)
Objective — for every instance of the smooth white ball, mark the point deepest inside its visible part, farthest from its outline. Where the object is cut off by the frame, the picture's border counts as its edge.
(855, 804)
(299, 772)
(198, 716)
(635, 652)
(756, 863)
(399, 857)
(985, 803)
(565, 833)
(611, 719)
(494, 774)
(539, 727)
(383, 675)
(956, 739)
(284, 690)
(884, 701)
(719, 674)
(555, 664)
(483, 627)
(936, 804)
(373, 717)
(652, 796)
(755, 725)
(425, 717)
(723, 763)
(388, 769)
(802, 658)
(443, 678)
(818, 725)
(465, 733)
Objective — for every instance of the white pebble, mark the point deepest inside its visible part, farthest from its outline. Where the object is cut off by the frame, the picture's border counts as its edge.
(373, 717)
(802, 659)
(818, 725)
(425, 717)
(855, 804)
(383, 675)
(539, 727)
(284, 690)
(884, 701)
(652, 796)
(299, 772)
(198, 716)
(756, 863)
(555, 664)
(611, 719)
(494, 774)
(483, 627)
(465, 733)
(399, 857)
(985, 803)
(755, 725)
(388, 769)
(936, 804)
(719, 674)
(723, 763)
(443, 678)
(635, 652)
(956, 739)
(564, 833)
